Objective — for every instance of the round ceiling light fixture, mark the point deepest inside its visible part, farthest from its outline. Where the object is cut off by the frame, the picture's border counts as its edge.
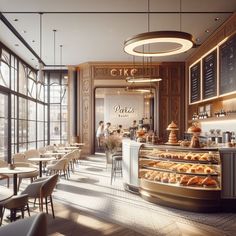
(167, 43)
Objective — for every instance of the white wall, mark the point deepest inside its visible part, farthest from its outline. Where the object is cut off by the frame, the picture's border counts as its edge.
(133, 104)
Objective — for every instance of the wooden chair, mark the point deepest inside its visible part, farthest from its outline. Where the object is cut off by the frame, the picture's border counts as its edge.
(42, 190)
(32, 175)
(14, 204)
(3, 176)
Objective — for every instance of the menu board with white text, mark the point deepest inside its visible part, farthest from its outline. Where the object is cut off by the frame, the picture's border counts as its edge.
(227, 78)
(209, 75)
(195, 83)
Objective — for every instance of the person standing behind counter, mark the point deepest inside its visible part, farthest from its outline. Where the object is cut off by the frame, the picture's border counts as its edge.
(106, 130)
(100, 133)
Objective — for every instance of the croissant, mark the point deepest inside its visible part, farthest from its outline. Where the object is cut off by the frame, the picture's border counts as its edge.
(184, 179)
(193, 180)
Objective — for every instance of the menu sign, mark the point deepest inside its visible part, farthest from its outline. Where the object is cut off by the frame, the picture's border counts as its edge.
(209, 75)
(227, 79)
(195, 74)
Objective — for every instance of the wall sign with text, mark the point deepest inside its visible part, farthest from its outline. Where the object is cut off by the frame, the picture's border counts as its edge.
(195, 83)
(209, 75)
(227, 54)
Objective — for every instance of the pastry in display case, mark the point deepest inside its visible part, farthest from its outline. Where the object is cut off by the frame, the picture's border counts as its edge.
(186, 178)
(172, 140)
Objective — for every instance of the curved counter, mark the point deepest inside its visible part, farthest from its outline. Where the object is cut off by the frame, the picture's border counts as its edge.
(202, 180)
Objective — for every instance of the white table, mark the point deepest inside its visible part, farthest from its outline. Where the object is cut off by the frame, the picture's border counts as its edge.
(15, 172)
(40, 160)
(71, 147)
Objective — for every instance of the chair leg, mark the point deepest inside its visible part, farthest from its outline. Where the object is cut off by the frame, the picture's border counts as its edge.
(8, 182)
(20, 180)
(22, 213)
(46, 203)
(52, 207)
(2, 214)
(27, 207)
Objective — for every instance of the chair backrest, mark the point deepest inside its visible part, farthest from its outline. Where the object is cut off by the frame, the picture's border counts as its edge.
(31, 226)
(17, 201)
(32, 153)
(60, 164)
(3, 163)
(24, 164)
(19, 157)
(48, 186)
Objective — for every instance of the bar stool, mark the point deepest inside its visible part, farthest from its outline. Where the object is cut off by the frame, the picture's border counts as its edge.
(116, 166)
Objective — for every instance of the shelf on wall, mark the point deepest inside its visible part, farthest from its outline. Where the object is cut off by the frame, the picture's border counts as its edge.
(229, 117)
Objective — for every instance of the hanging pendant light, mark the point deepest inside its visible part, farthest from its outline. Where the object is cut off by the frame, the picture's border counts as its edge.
(168, 42)
(145, 78)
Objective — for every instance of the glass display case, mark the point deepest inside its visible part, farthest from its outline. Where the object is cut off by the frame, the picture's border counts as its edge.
(184, 178)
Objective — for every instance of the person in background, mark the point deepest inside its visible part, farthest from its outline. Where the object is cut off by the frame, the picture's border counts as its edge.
(106, 129)
(133, 129)
(120, 130)
(100, 133)
(134, 125)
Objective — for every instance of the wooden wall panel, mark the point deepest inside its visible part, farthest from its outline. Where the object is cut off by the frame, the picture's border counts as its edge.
(172, 101)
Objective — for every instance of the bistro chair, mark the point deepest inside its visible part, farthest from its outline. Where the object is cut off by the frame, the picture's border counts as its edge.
(19, 157)
(15, 204)
(4, 176)
(42, 190)
(116, 165)
(32, 226)
(32, 153)
(32, 175)
(58, 167)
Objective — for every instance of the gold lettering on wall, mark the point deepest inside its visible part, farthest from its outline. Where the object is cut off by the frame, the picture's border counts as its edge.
(123, 72)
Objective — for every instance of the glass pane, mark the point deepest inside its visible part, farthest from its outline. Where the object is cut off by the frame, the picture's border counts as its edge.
(13, 73)
(40, 144)
(55, 94)
(64, 130)
(3, 126)
(40, 112)
(22, 79)
(22, 131)
(13, 131)
(22, 108)
(54, 112)
(54, 130)
(31, 131)
(4, 74)
(31, 88)
(40, 131)
(13, 106)
(32, 145)
(22, 147)
(64, 113)
(31, 110)
(46, 131)
(46, 113)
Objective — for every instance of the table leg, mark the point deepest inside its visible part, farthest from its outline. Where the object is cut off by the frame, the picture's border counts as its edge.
(40, 169)
(15, 184)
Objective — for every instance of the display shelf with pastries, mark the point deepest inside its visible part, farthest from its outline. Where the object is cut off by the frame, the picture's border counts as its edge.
(183, 178)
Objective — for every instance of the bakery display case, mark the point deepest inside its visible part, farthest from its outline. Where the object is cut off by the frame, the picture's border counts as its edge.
(185, 178)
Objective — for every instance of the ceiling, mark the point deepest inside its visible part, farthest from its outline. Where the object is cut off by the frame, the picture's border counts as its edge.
(91, 30)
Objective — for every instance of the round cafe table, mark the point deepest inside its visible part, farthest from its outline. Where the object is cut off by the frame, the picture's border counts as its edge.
(14, 173)
(5, 193)
(40, 160)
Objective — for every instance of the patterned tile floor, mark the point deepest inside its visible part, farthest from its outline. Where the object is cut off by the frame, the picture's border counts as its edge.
(89, 190)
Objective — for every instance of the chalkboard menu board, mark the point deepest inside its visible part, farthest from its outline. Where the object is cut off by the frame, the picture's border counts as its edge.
(227, 80)
(195, 74)
(209, 75)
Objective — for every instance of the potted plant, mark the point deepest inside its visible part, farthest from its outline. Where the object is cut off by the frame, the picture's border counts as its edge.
(111, 144)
